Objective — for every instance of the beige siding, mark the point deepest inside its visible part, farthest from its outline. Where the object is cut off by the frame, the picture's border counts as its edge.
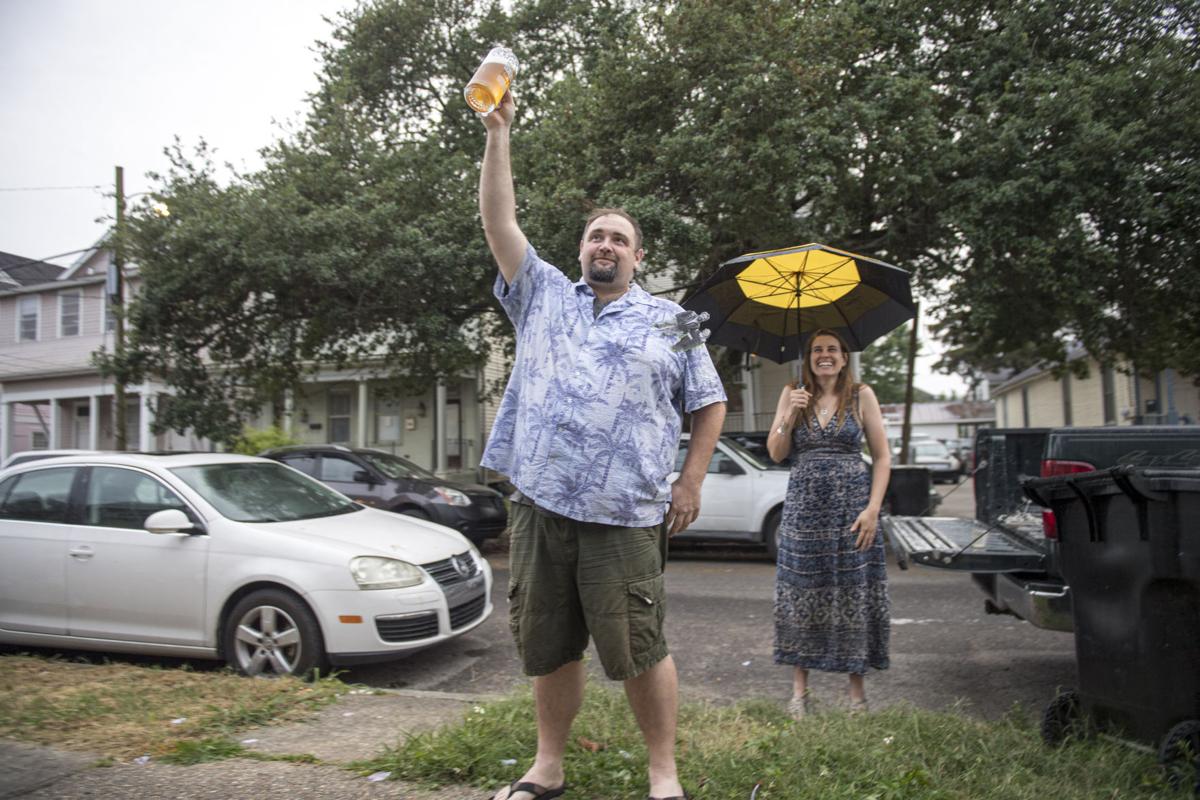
(1087, 398)
(1045, 403)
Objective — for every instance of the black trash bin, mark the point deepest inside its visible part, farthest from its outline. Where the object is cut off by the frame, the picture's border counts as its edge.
(1129, 547)
(909, 490)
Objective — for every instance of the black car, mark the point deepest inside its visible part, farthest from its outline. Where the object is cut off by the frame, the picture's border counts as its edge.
(380, 479)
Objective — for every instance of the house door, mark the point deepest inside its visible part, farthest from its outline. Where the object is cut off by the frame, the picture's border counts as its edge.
(81, 433)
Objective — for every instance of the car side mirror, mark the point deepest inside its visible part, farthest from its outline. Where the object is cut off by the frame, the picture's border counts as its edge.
(169, 520)
(363, 476)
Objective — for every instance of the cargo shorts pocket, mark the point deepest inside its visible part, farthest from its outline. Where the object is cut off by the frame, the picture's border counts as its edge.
(645, 602)
(515, 606)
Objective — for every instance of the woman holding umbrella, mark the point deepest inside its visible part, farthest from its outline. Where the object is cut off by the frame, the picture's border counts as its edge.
(831, 600)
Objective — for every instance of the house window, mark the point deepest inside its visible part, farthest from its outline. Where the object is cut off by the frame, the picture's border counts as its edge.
(1066, 398)
(38, 440)
(68, 313)
(1108, 385)
(388, 426)
(110, 316)
(339, 415)
(27, 318)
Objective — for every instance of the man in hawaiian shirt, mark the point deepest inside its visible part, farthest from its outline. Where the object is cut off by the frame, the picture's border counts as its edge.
(588, 432)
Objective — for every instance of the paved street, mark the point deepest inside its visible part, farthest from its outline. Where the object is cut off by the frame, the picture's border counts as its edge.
(945, 649)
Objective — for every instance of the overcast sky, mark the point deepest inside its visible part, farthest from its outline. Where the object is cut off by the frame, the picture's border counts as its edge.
(86, 85)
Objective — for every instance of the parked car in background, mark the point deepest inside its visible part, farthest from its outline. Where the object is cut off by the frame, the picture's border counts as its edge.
(741, 499)
(755, 443)
(942, 464)
(382, 480)
(223, 556)
(25, 456)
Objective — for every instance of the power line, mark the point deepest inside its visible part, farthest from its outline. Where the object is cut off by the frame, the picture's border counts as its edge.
(46, 258)
(46, 188)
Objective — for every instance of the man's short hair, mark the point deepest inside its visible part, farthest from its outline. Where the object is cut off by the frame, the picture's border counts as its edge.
(616, 212)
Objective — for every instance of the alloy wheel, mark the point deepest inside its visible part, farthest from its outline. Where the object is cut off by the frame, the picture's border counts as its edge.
(268, 642)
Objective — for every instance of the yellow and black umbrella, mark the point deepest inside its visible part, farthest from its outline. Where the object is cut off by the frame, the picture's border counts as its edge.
(768, 303)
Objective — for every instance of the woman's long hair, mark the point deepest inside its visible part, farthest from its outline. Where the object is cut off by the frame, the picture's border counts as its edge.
(844, 388)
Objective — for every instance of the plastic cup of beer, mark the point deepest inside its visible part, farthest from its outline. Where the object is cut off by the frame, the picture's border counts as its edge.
(489, 83)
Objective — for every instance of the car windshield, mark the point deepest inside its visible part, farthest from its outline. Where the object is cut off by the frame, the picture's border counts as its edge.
(754, 460)
(260, 492)
(932, 449)
(395, 466)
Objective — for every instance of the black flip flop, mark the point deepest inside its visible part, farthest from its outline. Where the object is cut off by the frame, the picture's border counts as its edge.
(538, 792)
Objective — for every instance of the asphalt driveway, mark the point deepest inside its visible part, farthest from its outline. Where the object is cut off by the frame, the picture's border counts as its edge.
(945, 649)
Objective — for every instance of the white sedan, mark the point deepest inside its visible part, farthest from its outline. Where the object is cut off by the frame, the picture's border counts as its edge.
(227, 557)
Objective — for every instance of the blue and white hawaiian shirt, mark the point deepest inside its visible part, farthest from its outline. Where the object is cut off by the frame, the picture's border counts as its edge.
(590, 421)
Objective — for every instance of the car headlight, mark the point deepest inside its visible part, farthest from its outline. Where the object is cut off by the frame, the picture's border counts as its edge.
(451, 497)
(373, 572)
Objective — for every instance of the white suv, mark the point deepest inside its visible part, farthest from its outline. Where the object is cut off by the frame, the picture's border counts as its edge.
(741, 499)
(223, 556)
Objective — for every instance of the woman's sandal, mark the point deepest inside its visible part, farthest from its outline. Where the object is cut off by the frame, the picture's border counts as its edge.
(538, 792)
(800, 707)
(684, 796)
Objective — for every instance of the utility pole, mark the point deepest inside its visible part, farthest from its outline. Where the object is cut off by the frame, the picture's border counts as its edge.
(906, 431)
(117, 305)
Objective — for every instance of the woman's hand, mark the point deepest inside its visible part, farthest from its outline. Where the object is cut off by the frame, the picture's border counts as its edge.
(866, 525)
(797, 401)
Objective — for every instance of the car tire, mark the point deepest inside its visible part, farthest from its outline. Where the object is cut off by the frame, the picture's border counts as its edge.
(1179, 755)
(1062, 718)
(771, 533)
(272, 633)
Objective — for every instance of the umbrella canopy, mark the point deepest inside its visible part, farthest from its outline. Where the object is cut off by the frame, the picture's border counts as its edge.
(768, 303)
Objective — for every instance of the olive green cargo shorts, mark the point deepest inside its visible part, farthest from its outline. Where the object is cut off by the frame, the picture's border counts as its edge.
(569, 579)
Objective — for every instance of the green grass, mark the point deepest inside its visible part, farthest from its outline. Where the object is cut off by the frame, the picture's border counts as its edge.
(726, 752)
(123, 710)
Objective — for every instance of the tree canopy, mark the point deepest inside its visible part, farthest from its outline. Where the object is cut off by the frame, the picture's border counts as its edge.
(1034, 164)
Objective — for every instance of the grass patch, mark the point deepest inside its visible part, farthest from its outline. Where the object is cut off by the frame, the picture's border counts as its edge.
(726, 752)
(122, 710)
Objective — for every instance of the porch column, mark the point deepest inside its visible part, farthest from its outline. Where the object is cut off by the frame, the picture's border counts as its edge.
(289, 403)
(360, 436)
(6, 426)
(749, 401)
(440, 434)
(53, 425)
(94, 422)
(144, 415)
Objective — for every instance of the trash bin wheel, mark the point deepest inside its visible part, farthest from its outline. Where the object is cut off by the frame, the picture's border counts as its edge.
(1179, 754)
(1061, 718)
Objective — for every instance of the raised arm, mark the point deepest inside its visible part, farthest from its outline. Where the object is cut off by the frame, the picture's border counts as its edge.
(497, 200)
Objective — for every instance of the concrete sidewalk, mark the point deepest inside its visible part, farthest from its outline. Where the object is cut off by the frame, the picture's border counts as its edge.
(355, 727)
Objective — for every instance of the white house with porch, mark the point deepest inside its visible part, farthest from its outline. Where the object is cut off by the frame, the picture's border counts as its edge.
(52, 319)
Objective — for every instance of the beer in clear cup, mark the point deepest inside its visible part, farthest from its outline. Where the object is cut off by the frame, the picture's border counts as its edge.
(487, 87)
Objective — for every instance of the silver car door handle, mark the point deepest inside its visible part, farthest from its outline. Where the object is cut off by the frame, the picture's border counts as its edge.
(83, 552)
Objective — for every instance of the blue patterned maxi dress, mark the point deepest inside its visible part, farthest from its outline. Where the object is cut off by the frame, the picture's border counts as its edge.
(831, 601)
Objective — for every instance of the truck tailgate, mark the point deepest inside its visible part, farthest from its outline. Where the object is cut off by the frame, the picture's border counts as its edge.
(960, 544)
